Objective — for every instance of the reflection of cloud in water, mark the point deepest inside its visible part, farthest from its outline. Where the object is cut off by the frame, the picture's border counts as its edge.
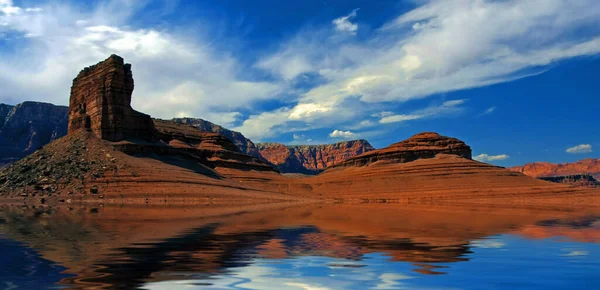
(301, 273)
(575, 253)
(488, 244)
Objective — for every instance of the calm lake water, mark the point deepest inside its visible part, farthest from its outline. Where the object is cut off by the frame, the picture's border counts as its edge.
(299, 247)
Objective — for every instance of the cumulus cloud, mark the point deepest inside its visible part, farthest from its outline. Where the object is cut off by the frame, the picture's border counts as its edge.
(342, 134)
(344, 24)
(425, 51)
(486, 157)
(430, 50)
(582, 148)
(175, 74)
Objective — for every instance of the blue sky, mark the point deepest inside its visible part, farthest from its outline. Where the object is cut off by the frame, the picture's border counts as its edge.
(515, 79)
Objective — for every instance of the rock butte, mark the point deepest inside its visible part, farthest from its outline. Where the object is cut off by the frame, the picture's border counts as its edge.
(114, 154)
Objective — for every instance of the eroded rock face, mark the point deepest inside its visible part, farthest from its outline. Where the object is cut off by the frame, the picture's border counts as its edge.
(311, 159)
(4, 109)
(211, 149)
(244, 144)
(28, 126)
(101, 102)
(421, 146)
(544, 169)
(582, 180)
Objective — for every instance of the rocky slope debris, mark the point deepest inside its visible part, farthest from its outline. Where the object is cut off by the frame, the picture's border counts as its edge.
(101, 117)
(311, 159)
(589, 166)
(28, 126)
(420, 146)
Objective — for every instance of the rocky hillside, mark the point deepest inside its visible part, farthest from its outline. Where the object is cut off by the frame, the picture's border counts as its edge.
(244, 144)
(311, 159)
(420, 146)
(28, 126)
(4, 110)
(583, 180)
(589, 166)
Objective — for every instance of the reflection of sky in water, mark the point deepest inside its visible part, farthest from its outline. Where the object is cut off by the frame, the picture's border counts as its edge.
(23, 268)
(500, 262)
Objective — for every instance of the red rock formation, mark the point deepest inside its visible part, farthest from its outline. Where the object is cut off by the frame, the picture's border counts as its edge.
(311, 159)
(244, 144)
(544, 169)
(420, 146)
(212, 149)
(101, 102)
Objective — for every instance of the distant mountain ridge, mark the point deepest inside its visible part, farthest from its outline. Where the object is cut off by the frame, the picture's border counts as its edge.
(26, 127)
(311, 159)
(589, 166)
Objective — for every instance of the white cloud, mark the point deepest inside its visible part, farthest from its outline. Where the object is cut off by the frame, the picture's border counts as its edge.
(399, 118)
(582, 148)
(174, 73)
(342, 134)
(344, 24)
(447, 107)
(425, 51)
(488, 111)
(486, 157)
(515, 39)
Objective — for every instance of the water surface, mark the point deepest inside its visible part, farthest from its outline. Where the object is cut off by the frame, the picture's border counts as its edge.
(299, 247)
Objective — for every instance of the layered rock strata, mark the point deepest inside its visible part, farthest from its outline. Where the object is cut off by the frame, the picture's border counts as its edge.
(420, 146)
(244, 144)
(311, 159)
(101, 102)
(589, 166)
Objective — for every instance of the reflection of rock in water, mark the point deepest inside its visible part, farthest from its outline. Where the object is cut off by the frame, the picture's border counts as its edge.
(126, 248)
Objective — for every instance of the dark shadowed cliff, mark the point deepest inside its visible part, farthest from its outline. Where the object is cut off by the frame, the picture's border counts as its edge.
(28, 126)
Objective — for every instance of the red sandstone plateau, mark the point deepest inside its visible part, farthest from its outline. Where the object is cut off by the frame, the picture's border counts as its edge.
(311, 159)
(589, 166)
(114, 155)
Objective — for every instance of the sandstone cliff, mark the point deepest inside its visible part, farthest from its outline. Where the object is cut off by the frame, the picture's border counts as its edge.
(110, 148)
(589, 166)
(421, 146)
(101, 102)
(244, 144)
(311, 159)
(113, 155)
(28, 126)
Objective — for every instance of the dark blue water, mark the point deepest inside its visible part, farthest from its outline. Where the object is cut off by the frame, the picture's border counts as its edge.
(90, 250)
(23, 268)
